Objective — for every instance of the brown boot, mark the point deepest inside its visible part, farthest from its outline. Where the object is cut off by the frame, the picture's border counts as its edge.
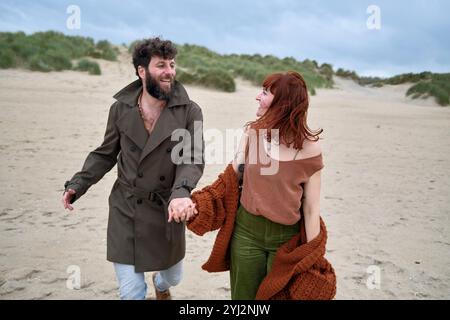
(164, 295)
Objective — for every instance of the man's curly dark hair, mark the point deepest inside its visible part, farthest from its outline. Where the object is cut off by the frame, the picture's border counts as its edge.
(147, 48)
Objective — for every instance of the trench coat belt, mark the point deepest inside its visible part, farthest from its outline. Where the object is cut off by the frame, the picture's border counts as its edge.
(163, 195)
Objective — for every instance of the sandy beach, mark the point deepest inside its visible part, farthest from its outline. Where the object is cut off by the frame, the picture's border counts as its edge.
(385, 187)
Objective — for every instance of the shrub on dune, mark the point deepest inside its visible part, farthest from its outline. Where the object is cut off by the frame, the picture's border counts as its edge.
(216, 78)
(7, 58)
(208, 77)
(438, 89)
(37, 63)
(91, 66)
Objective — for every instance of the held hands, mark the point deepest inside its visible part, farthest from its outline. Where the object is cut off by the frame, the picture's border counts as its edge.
(181, 209)
(67, 197)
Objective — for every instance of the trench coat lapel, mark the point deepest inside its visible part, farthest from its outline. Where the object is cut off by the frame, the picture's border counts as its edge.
(132, 126)
(167, 121)
(164, 127)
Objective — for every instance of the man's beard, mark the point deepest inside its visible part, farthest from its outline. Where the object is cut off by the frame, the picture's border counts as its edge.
(155, 90)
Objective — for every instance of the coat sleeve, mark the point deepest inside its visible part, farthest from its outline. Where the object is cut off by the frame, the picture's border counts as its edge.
(189, 172)
(99, 161)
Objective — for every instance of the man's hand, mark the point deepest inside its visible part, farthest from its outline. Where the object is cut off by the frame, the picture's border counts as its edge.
(181, 209)
(67, 197)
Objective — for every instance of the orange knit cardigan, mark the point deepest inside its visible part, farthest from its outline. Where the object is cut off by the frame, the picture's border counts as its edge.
(299, 270)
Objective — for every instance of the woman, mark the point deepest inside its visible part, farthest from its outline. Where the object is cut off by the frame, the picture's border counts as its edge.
(273, 201)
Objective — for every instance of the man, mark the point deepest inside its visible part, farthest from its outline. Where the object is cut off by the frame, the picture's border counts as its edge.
(150, 199)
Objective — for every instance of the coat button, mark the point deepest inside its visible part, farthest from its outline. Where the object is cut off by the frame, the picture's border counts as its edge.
(133, 148)
(134, 183)
(140, 175)
(159, 202)
(169, 150)
(139, 201)
(162, 178)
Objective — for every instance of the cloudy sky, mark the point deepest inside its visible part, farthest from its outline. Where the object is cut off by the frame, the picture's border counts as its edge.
(411, 37)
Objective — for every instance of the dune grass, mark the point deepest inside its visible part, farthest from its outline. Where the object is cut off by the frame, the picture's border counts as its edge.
(426, 84)
(205, 67)
(51, 51)
(54, 51)
(87, 65)
(438, 86)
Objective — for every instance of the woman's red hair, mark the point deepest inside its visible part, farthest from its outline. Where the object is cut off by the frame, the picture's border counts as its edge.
(288, 110)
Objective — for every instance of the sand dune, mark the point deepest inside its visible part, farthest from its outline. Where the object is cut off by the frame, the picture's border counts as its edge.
(385, 195)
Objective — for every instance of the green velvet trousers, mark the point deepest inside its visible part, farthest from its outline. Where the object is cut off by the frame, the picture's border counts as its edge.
(253, 246)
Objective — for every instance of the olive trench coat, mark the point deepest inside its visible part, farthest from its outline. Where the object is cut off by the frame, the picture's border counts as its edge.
(138, 232)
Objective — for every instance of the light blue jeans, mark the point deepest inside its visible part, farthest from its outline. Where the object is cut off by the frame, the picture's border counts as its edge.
(132, 284)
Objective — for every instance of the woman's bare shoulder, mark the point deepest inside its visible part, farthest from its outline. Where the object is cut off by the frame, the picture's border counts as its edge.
(311, 148)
